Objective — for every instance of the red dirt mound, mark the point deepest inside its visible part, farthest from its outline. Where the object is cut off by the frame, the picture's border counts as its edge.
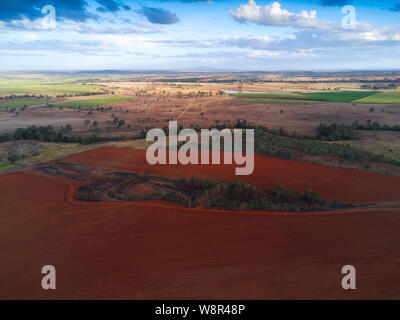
(136, 251)
(334, 183)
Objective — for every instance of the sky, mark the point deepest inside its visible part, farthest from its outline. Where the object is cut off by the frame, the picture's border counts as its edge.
(206, 35)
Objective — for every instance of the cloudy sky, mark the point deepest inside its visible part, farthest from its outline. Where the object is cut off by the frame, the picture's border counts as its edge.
(256, 35)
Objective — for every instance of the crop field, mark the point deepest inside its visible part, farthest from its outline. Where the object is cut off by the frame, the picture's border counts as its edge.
(318, 97)
(387, 97)
(271, 95)
(284, 98)
(90, 103)
(306, 98)
(283, 101)
(22, 103)
(344, 96)
(49, 87)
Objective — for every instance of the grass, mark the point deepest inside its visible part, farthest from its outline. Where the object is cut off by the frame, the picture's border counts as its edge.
(49, 151)
(90, 103)
(343, 96)
(307, 98)
(379, 142)
(287, 101)
(22, 87)
(389, 97)
(5, 166)
(270, 95)
(21, 103)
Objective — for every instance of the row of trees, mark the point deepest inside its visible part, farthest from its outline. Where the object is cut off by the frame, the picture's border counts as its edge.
(374, 125)
(341, 132)
(50, 134)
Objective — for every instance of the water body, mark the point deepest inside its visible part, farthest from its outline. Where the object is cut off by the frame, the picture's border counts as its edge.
(233, 91)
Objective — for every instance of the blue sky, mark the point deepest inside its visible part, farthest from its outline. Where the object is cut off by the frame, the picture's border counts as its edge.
(243, 35)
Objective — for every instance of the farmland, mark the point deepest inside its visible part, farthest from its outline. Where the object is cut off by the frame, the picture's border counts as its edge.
(283, 101)
(345, 96)
(80, 232)
(95, 102)
(23, 103)
(375, 97)
(9, 87)
(382, 97)
(78, 191)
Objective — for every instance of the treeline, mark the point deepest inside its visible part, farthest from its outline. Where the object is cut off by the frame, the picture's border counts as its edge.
(280, 144)
(342, 132)
(374, 125)
(25, 96)
(337, 132)
(50, 134)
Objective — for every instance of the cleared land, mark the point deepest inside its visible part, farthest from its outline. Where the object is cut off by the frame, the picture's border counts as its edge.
(152, 250)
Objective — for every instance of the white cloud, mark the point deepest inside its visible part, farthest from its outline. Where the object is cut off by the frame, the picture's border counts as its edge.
(275, 15)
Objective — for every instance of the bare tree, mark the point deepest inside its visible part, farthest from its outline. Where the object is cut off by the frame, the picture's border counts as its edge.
(17, 150)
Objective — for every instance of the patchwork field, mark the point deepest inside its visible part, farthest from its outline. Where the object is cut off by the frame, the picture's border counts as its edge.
(77, 191)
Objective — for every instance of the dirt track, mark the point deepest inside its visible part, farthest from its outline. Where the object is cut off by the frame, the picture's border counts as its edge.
(155, 251)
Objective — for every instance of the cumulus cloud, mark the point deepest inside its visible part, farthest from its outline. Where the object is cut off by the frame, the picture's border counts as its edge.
(274, 15)
(158, 15)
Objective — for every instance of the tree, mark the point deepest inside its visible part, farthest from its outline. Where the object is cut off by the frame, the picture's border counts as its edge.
(86, 123)
(68, 128)
(16, 151)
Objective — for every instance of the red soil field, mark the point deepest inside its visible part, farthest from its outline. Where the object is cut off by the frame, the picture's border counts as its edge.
(155, 250)
(335, 183)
